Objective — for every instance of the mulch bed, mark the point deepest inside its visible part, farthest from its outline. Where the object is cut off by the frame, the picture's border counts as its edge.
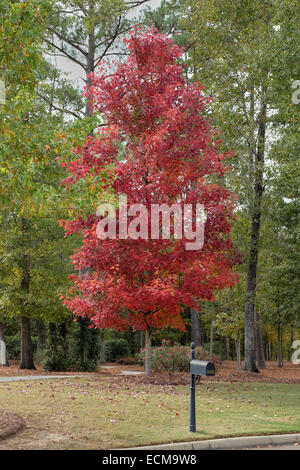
(10, 424)
(13, 370)
(226, 372)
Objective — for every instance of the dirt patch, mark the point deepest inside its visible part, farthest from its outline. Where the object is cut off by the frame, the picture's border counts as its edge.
(10, 423)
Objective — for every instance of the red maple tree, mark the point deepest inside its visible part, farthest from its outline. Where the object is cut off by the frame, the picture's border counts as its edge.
(155, 121)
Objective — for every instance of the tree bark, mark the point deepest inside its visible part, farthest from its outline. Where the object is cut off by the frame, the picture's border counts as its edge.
(148, 352)
(26, 345)
(259, 343)
(196, 328)
(238, 352)
(140, 341)
(254, 241)
(3, 355)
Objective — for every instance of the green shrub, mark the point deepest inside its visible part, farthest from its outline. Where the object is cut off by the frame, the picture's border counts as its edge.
(84, 347)
(13, 346)
(173, 358)
(74, 350)
(55, 360)
(115, 348)
(55, 357)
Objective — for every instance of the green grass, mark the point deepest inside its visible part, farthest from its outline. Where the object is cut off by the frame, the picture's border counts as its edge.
(94, 413)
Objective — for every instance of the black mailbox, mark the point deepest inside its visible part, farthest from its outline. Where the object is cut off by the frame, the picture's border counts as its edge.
(197, 369)
(203, 368)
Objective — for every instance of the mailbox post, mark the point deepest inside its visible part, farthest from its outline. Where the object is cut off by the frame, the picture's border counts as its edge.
(193, 400)
(197, 368)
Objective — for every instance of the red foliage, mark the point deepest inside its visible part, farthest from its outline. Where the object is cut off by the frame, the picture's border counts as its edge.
(171, 150)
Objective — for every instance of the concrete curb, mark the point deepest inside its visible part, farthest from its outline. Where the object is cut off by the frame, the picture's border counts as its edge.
(226, 444)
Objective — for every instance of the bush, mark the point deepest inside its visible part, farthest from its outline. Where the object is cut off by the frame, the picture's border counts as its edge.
(13, 346)
(75, 350)
(55, 360)
(84, 347)
(115, 348)
(55, 356)
(173, 358)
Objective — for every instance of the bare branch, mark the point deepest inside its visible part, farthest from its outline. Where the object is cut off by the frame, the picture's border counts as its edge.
(56, 108)
(69, 41)
(98, 60)
(61, 49)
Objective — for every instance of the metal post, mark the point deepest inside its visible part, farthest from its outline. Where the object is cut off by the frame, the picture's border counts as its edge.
(192, 402)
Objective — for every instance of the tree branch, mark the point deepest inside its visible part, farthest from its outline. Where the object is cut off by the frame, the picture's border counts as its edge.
(56, 108)
(69, 41)
(65, 53)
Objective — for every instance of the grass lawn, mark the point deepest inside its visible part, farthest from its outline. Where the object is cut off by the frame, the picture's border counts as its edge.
(107, 413)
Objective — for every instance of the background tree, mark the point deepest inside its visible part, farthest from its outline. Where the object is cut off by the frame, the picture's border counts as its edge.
(230, 319)
(237, 49)
(86, 31)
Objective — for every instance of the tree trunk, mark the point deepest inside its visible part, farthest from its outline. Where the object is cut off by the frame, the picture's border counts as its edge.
(270, 350)
(259, 343)
(102, 355)
(41, 334)
(196, 328)
(211, 340)
(83, 341)
(3, 355)
(148, 352)
(232, 349)
(220, 349)
(254, 241)
(90, 64)
(267, 350)
(292, 340)
(140, 341)
(63, 334)
(26, 345)
(238, 352)
(279, 348)
(226, 349)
